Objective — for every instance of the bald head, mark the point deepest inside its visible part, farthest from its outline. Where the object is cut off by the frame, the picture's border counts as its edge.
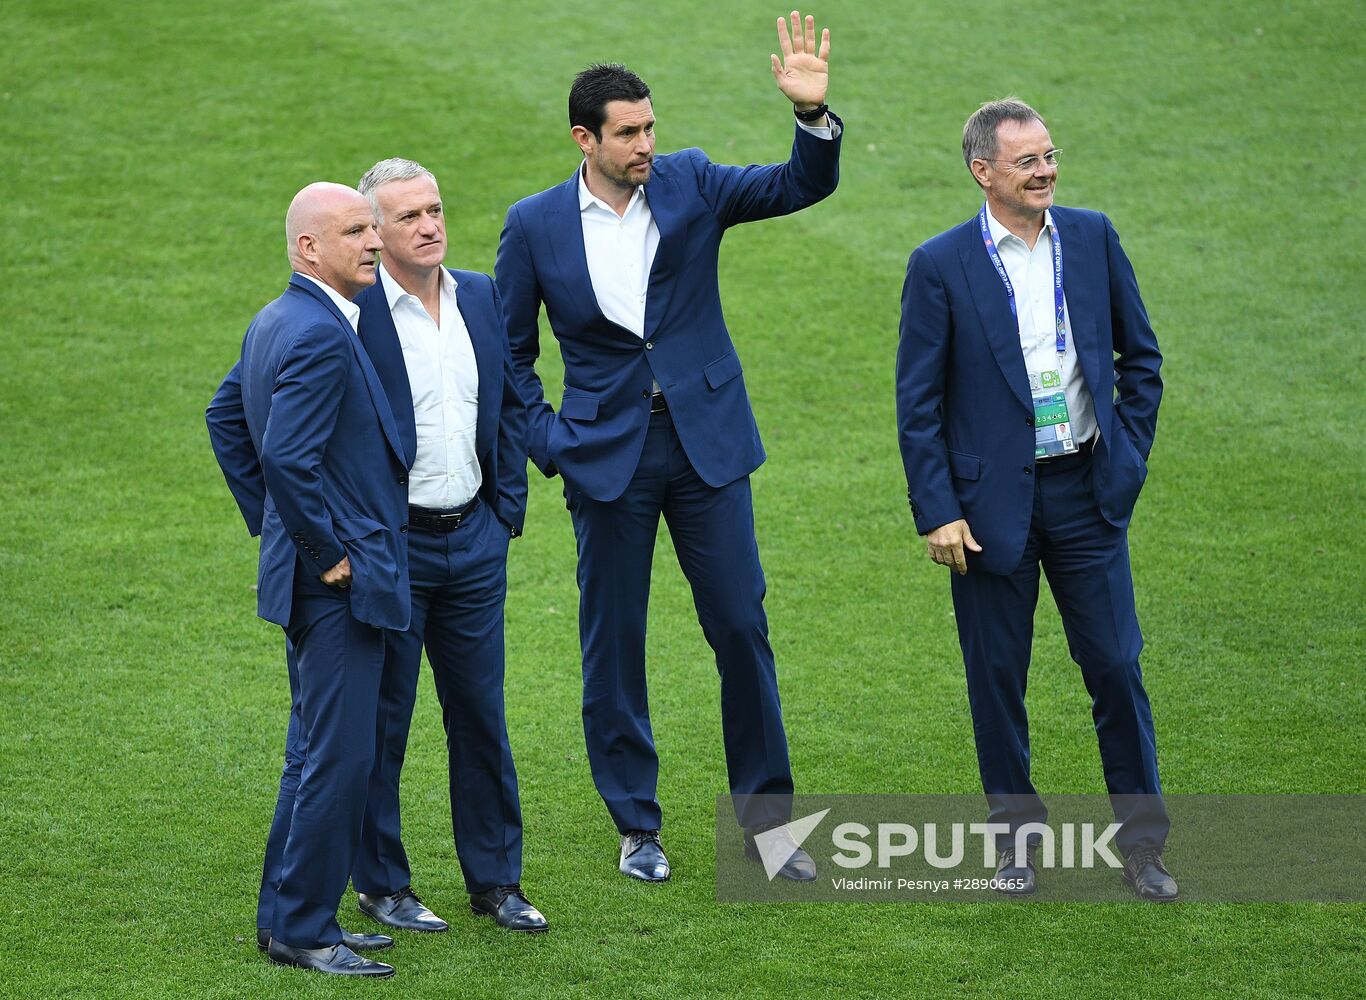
(331, 235)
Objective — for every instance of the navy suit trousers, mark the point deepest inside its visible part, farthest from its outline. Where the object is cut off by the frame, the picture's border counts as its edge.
(713, 534)
(1087, 562)
(459, 582)
(335, 678)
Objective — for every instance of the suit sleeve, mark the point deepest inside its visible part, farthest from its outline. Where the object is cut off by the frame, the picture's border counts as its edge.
(515, 276)
(1137, 366)
(512, 426)
(305, 401)
(746, 194)
(232, 446)
(921, 366)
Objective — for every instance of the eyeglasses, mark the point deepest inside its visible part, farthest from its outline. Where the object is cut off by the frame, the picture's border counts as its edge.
(1028, 164)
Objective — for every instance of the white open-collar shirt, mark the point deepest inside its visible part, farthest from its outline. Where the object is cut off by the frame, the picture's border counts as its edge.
(444, 379)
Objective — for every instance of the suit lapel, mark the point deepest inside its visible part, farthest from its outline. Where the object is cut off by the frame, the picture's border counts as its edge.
(381, 401)
(372, 382)
(666, 209)
(380, 337)
(1079, 278)
(565, 222)
(483, 326)
(993, 311)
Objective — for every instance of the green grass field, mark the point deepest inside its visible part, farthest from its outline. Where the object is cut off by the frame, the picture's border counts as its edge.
(150, 150)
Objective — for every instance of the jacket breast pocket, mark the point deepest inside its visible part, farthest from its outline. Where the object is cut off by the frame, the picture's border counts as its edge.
(722, 370)
(964, 466)
(579, 408)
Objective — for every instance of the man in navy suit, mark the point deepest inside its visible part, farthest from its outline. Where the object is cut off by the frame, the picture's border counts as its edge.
(1027, 394)
(655, 419)
(311, 451)
(438, 342)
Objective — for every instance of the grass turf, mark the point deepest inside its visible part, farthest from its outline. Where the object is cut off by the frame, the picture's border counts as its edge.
(151, 150)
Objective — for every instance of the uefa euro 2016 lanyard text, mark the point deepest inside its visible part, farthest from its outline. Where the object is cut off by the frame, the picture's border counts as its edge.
(1052, 422)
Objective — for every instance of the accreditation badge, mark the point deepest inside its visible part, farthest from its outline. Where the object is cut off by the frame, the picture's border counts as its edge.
(1052, 422)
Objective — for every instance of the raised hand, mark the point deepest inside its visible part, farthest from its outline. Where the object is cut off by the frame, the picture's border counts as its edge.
(803, 72)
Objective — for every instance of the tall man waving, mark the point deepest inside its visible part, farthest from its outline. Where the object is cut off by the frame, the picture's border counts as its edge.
(655, 418)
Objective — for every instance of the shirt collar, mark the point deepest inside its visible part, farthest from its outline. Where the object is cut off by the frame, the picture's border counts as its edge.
(395, 294)
(348, 308)
(1000, 232)
(587, 199)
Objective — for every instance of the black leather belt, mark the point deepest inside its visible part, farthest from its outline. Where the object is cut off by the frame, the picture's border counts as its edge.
(658, 403)
(440, 521)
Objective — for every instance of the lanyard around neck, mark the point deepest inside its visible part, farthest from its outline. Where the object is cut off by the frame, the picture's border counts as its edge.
(1059, 304)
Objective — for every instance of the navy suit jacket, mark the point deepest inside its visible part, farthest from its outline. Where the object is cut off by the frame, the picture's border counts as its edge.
(596, 439)
(312, 454)
(500, 430)
(964, 412)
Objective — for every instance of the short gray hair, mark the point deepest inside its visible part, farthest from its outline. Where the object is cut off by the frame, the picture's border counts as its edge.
(387, 172)
(979, 132)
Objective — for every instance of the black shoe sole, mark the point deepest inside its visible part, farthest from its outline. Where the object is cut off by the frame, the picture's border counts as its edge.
(650, 881)
(343, 975)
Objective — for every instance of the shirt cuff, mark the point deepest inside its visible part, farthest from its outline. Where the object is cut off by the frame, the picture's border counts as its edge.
(830, 131)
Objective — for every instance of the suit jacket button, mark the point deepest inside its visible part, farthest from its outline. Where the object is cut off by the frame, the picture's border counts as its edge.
(402, 527)
(649, 345)
(1029, 421)
(403, 480)
(644, 393)
(1028, 471)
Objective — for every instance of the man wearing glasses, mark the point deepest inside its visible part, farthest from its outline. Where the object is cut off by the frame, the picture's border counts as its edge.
(1027, 394)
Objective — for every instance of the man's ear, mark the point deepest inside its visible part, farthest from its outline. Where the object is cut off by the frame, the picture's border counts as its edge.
(585, 138)
(980, 173)
(306, 245)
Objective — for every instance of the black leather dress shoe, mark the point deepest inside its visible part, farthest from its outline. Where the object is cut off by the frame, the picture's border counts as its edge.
(1014, 879)
(338, 960)
(1148, 876)
(509, 908)
(642, 857)
(401, 909)
(778, 844)
(356, 942)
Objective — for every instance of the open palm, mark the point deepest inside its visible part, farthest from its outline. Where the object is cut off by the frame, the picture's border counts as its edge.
(803, 72)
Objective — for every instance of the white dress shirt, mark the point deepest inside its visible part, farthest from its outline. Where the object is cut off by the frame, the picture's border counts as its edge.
(348, 308)
(444, 379)
(621, 251)
(1031, 274)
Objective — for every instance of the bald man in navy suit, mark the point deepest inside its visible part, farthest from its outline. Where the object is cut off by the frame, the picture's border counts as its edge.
(308, 444)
